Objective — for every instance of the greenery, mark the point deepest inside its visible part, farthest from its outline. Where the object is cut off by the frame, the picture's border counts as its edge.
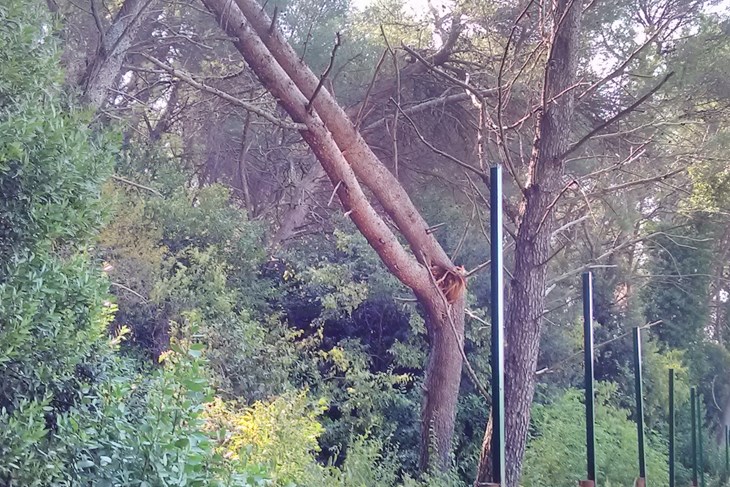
(158, 327)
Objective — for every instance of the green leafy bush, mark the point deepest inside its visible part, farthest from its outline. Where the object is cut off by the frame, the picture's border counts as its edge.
(556, 448)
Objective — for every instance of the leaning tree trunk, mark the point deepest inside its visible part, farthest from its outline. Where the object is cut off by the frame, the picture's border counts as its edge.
(526, 295)
(347, 160)
(442, 385)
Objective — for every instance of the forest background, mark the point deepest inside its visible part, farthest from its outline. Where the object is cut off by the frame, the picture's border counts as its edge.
(209, 276)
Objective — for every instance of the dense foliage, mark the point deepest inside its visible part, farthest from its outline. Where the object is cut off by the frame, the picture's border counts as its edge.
(155, 331)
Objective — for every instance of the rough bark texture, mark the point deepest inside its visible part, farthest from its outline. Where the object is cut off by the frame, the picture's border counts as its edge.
(300, 206)
(103, 70)
(442, 387)
(525, 301)
(347, 160)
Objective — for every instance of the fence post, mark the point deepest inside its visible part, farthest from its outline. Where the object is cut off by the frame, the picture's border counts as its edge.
(693, 401)
(700, 446)
(497, 359)
(589, 380)
(727, 450)
(671, 428)
(639, 391)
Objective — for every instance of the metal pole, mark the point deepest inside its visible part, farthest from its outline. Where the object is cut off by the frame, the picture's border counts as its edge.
(639, 402)
(671, 428)
(589, 379)
(727, 450)
(700, 446)
(692, 393)
(495, 223)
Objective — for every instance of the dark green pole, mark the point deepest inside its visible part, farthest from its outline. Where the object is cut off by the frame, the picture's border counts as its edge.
(692, 394)
(671, 428)
(700, 441)
(639, 402)
(495, 224)
(590, 394)
(727, 450)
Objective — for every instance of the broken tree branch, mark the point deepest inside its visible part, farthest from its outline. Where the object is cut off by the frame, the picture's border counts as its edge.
(326, 72)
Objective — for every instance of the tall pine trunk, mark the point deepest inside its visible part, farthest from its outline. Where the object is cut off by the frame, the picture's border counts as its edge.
(526, 293)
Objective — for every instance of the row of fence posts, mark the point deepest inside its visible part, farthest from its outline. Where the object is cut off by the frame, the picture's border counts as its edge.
(698, 477)
(497, 366)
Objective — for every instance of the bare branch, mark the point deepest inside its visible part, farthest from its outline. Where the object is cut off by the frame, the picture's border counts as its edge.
(326, 71)
(131, 291)
(358, 118)
(618, 187)
(620, 69)
(187, 78)
(606, 254)
(97, 21)
(423, 106)
(438, 151)
(551, 368)
(136, 185)
(471, 89)
(394, 131)
(620, 115)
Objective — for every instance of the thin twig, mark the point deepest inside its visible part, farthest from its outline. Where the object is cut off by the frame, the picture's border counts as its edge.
(364, 103)
(618, 187)
(187, 78)
(607, 253)
(432, 229)
(500, 97)
(97, 21)
(425, 105)
(334, 192)
(620, 69)
(136, 185)
(394, 131)
(616, 117)
(338, 42)
(546, 370)
(273, 19)
(132, 291)
(438, 151)
(550, 207)
(466, 232)
(473, 90)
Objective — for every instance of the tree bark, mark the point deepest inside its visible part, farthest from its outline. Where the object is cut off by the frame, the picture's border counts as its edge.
(104, 68)
(442, 386)
(300, 206)
(347, 160)
(526, 294)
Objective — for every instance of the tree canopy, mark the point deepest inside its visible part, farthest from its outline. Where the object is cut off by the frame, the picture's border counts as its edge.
(247, 243)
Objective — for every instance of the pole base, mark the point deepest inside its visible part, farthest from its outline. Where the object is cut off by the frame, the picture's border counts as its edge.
(640, 482)
(586, 483)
